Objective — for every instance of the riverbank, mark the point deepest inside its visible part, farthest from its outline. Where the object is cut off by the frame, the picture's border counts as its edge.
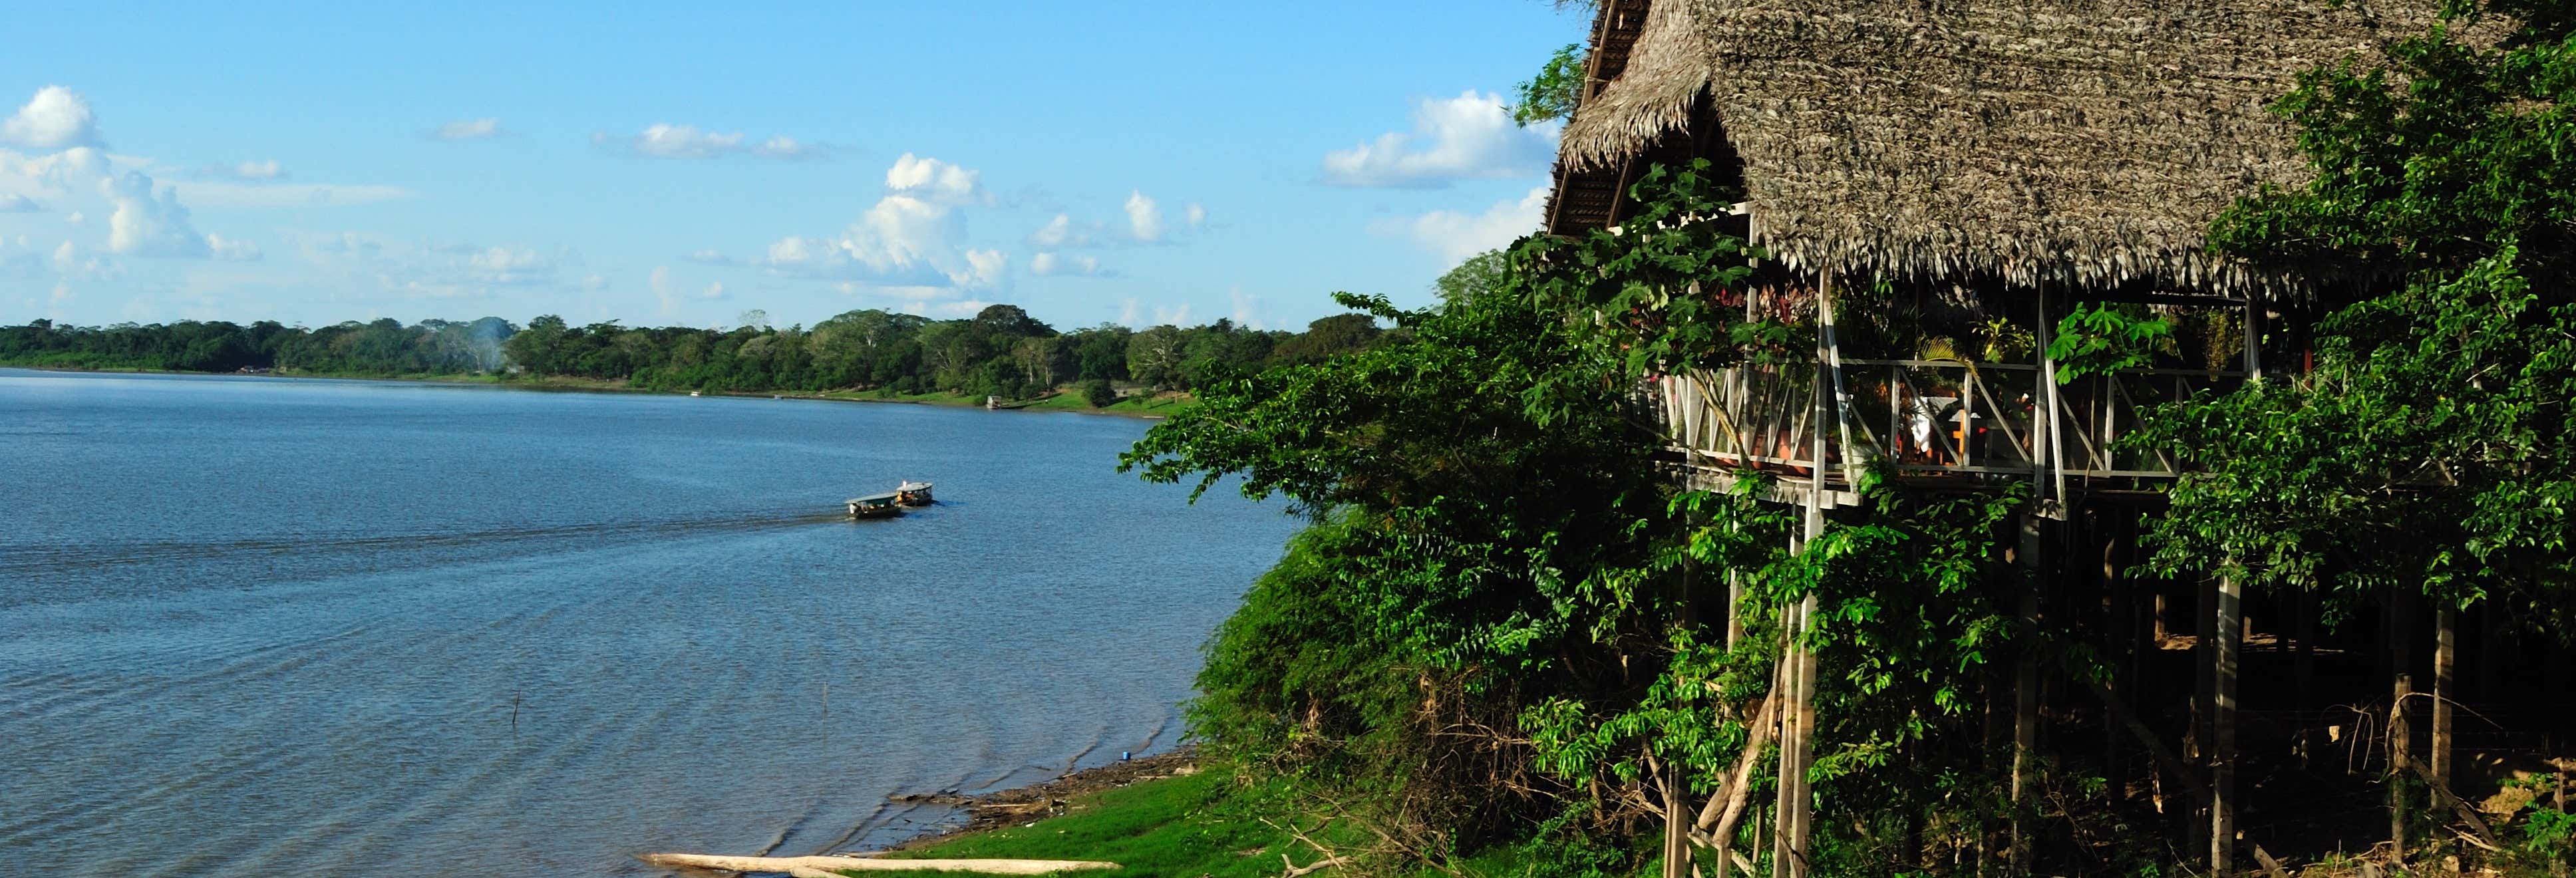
(1149, 406)
(1174, 814)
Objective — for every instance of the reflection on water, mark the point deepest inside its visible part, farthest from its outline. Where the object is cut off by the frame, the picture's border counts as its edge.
(250, 626)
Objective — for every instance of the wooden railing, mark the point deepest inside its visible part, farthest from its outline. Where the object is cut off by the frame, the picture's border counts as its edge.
(1930, 419)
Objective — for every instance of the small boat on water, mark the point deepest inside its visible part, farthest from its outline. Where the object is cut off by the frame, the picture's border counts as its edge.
(913, 493)
(875, 506)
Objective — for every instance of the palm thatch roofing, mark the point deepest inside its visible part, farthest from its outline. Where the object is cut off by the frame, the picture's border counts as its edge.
(2085, 142)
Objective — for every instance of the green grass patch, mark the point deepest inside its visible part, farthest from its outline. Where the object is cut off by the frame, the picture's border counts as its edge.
(1200, 824)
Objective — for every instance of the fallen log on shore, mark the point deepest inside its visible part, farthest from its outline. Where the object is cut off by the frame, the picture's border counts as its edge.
(825, 867)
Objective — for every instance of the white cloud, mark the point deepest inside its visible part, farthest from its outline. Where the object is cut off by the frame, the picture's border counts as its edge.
(1196, 215)
(506, 259)
(959, 308)
(1050, 263)
(265, 169)
(670, 294)
(56, 118)
(913, 236)
(933, 180)
(1455, 236)
(149, 220)
(11, 202)
(227, 194)
(1063, 232)
(663, 140)
(409, 268)
(785, 147)
(69, 261)
(231, 249)
(1245, 315)
(468, 129)
(1144, 217)
(1468, 137)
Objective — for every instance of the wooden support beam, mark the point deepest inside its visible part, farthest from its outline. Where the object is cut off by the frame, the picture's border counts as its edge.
(2230, 625)
(2025, 696)
(2446, 621)
(2401, 745)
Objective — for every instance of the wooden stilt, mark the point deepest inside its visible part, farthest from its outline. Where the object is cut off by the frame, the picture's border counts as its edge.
(2120, 633)
(2401, 680)
(2446, 621)
(2230, 626)
(2025, 698)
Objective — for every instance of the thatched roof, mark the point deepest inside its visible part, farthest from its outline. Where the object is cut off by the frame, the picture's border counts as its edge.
(2069, 141)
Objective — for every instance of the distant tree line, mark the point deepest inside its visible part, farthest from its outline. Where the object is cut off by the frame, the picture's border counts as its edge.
(1000, 351)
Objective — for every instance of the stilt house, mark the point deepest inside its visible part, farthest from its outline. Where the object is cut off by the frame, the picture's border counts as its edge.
(1970, 171)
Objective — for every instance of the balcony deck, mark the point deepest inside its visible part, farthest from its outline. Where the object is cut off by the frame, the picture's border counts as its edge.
(1936, 422)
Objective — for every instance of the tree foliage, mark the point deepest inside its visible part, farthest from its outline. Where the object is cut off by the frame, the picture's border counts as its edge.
(2432, 446)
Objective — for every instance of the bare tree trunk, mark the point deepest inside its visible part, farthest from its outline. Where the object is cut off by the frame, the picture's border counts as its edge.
(2230, 627)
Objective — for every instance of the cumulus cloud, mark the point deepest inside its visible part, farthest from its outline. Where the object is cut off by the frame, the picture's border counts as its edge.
(56, 118)
(11, 202)
(148, 220)
(913, 236)
(1144, 218)
(1468, 137)
(663, 140)
(1063, 232)
(1454, 236)
(1245, 313)
(1050, 263)
(933, 180)
(468, 129)
(1145, 224)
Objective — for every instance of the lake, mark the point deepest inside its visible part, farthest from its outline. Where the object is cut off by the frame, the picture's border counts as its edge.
(259, 626)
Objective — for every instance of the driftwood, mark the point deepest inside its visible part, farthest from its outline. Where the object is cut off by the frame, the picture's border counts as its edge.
(824, 867)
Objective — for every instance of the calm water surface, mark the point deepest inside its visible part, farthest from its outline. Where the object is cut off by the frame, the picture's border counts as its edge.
(258, 627)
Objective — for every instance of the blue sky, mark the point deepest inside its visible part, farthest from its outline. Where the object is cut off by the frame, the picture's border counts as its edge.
(1130, 162)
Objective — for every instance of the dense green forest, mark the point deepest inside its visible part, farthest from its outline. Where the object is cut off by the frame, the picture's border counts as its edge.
(1502, 629)
(1001, 351)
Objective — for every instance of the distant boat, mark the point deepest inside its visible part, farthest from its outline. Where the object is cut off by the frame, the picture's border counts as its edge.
(875, 506)
(693, 393)
(913, 493)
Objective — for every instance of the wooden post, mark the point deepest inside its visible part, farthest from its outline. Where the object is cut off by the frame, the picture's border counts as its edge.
(2230, 626)
(2445, 653)
(2120, 630)
(2401, 679)
(1798, 730)
(1676, 848)
(2025, 696)
(2204, 700)
(2303, 660)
